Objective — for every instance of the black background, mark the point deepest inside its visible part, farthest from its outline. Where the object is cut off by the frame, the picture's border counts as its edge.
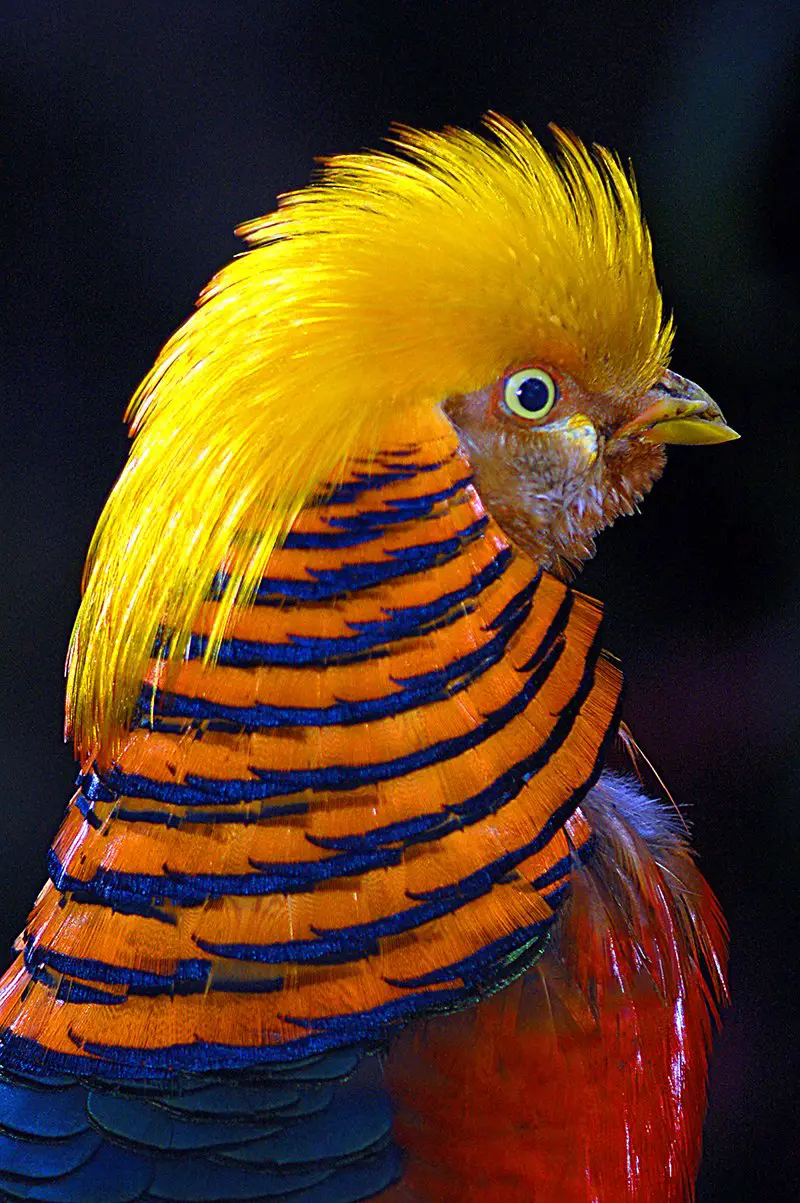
(136, 136)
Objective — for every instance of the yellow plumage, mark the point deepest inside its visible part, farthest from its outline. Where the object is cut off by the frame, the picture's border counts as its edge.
(364, 301)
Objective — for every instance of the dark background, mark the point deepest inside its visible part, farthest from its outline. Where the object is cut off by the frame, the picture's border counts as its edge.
(138, 135)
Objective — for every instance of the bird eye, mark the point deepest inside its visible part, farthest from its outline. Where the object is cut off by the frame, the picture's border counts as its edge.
(530, 393)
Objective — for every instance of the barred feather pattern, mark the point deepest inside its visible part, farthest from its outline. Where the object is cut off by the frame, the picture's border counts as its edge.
(368, 809)
(585, 1079)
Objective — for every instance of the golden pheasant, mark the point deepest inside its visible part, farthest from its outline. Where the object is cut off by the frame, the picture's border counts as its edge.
(347, 903)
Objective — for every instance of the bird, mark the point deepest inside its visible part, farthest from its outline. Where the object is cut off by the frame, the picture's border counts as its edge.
(353, 899)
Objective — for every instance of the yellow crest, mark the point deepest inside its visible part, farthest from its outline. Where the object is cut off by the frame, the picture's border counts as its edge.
(391, 283)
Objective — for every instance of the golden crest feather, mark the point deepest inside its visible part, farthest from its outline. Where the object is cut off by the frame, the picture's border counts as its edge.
(367, 298)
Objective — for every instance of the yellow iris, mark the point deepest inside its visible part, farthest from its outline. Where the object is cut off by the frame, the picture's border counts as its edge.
(530, 393)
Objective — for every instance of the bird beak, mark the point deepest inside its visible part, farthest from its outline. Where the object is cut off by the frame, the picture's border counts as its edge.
(677, 411)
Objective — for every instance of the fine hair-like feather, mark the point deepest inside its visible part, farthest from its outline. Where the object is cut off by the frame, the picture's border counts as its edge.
(366, 299)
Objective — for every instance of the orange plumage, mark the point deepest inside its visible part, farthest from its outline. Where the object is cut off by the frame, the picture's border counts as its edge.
(172, 847)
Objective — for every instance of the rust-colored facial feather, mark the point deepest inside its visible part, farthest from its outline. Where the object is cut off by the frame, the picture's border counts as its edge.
(554, 484)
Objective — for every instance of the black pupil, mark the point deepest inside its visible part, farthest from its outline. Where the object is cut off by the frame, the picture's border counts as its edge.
(533, 394)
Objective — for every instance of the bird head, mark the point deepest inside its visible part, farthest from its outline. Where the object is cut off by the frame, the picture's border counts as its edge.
(458, 278)
(555, 462)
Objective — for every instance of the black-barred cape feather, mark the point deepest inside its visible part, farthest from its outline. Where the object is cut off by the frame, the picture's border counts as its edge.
(366, 809)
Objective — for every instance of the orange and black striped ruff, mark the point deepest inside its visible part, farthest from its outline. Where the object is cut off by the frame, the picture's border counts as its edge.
(367, 809)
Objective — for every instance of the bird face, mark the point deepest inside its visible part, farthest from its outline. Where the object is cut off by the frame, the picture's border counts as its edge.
(556, 463)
